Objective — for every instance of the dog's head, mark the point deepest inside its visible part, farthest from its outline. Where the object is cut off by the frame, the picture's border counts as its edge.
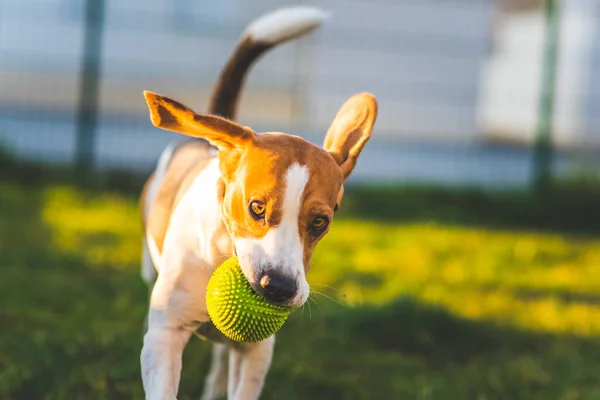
(278, 191)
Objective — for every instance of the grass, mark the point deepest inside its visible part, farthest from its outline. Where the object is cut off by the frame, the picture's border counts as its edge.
(424, 294)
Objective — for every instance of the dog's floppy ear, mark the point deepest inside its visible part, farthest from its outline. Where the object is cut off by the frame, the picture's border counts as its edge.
(171, 115)
(350, 130)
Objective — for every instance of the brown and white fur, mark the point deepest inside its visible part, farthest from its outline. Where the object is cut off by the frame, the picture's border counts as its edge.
(198, 208)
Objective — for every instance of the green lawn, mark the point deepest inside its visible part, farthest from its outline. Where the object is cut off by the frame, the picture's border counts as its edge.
(423, 294)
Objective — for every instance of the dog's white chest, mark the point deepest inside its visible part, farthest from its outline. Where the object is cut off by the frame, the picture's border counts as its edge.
(195, 243)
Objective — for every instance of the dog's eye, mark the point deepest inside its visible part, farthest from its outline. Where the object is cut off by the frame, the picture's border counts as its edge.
(318, 225)
(257, 209)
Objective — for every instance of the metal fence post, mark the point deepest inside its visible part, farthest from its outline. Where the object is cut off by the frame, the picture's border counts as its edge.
(87, 112)
(542, 156)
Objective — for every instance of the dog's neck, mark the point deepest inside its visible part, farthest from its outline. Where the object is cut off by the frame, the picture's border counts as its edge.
(203, 202)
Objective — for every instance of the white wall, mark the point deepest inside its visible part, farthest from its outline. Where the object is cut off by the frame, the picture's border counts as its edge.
(512, 76)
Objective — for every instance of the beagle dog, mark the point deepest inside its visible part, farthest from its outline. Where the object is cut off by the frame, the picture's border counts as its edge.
(226, 190)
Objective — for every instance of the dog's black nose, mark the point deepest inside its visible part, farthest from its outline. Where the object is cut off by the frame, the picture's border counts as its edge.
(277, 289)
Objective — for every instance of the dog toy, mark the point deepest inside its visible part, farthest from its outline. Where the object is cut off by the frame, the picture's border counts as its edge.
(236, 310)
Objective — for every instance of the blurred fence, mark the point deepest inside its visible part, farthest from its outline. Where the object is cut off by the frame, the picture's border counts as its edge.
(449, 76)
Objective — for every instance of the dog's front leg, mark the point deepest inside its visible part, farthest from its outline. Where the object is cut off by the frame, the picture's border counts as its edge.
(161, 361)
(248, 367)
(176, 309)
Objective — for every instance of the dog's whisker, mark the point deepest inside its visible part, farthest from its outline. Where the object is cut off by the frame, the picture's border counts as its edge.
(324, 295)
(302, 313)
(318, 305)
(327, 286)
(309, 310)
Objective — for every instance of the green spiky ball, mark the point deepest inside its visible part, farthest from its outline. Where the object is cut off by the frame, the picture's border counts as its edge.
(236, 310)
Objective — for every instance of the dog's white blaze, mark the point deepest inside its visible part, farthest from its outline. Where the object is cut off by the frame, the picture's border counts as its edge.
(281, 247)
(282, 244)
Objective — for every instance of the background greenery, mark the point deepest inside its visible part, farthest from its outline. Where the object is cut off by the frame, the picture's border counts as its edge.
(423, 294)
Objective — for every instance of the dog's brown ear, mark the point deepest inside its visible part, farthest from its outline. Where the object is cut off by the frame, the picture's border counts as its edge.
(350, 130)
(171, 115)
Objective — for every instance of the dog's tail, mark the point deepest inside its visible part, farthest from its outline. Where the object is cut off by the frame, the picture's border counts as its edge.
(261, 35)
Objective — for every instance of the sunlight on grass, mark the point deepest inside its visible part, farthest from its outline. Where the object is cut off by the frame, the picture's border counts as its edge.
(535, 281)
(103, 229)
(530, 280)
